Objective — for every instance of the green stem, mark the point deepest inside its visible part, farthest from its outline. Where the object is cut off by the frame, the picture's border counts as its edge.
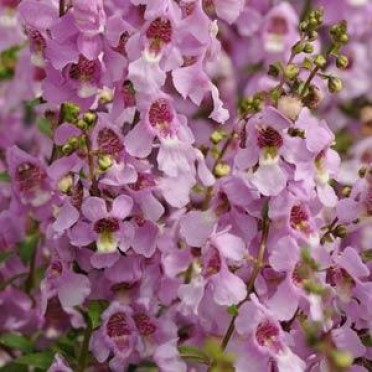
(94, 189)
(308, 81)
(85, 346)
(30, 281)
(250, 285)
(54, 155)
(306, 8)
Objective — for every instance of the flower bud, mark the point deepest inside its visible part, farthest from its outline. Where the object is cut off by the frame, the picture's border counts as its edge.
(298, 47)
(67, 149)
(290, 106)
(334, 84)
(344, 38)
(342, 61)
(320, 61)
(308, 48)
(70, 112)
(312, 36)
(313, 98)
(73, 142)
(291, 71)
(217, 136)
(221, 169)
(90, 117)
(82, 124)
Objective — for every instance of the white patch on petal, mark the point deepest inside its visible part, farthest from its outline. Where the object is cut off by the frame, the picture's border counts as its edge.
(37, 59)
(87, 90)
(107, 242)
(274, 43)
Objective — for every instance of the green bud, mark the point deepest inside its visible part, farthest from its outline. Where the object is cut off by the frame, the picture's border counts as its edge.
(334, 84)
(73, 142)
(105, 162)
(342, 61)
(298, 47)
(313, 22)
(222, 169)
(343, 38)
(341, 359)
(304, 26)
(320, 61)
(291, 71)
(82, 124)
(67, 149)
(308, 48)
(217, 136)
(90, 117)
(312, 35)
(70, 112)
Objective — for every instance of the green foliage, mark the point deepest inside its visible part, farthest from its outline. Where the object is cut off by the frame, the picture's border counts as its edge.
(16, 341)
(40, 360)
(95, 309)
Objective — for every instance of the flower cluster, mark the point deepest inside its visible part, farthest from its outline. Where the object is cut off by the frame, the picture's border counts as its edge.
(184, 185)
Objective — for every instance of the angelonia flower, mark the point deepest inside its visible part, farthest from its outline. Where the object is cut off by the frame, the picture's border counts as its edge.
(185, 185)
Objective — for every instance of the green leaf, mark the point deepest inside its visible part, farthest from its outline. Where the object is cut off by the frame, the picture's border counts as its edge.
(39, 360)
(13, 367)
(95, 309)
(4, 177)
(193, 353)
(45, 127)
(16, 341)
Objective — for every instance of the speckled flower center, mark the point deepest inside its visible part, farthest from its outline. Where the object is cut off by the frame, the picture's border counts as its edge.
(28, 177)
(55, 269)
(267, 335)
(77, 195)
(37, 40)
(299, 218)
(84, 70)
(278, 26)
(105, 225)
(339, 276)
(120, 48)
(160, 29)
(269, 137)
(300, 273)
(212, 263)
(161, 116)
(144, 324)
(117, 326)
(129, 94)
(109, 142)
(144, 181)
